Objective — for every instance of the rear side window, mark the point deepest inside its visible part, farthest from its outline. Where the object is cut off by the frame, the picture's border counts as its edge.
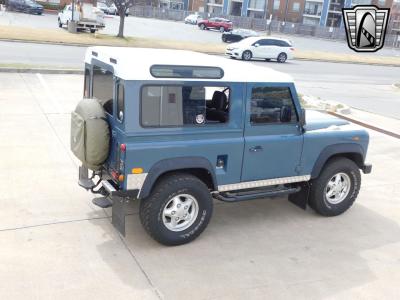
(271, 105)
(177, 105)
(265, 42)
(282, 43)
(103, 84)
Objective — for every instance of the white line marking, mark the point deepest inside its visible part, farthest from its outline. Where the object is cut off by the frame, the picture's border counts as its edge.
(48, 92)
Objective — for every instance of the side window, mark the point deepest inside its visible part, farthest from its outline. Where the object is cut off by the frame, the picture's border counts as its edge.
(103, 84)
(120, 102)
(266, 42)
(173, 105)
(86, 87)
(271, 105)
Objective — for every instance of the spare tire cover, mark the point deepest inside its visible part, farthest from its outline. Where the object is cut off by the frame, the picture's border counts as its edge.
(90, 134)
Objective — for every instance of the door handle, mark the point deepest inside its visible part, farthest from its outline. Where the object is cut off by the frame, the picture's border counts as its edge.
(256, 149)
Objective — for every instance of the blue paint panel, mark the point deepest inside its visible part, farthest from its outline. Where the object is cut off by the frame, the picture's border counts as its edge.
(225, 7)
(147, 146)
(281, 144)
(324, 14)
(316, 140)
(245, 5)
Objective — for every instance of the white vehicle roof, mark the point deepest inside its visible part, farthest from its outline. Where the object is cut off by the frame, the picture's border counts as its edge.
(135, 63)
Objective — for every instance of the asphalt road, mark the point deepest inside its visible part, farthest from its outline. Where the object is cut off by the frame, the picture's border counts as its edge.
(170, 30)
(364, 87)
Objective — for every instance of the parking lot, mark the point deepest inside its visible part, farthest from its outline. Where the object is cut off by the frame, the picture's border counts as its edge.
(56, 245)
(176, 31)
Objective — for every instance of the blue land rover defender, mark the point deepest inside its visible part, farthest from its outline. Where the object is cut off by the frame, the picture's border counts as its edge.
(177, 129)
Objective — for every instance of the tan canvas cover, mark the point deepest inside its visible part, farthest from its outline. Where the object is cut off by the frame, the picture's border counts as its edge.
(90, 133)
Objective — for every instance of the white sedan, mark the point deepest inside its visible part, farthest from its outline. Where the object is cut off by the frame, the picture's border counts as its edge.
(261, 47)
(192, 19)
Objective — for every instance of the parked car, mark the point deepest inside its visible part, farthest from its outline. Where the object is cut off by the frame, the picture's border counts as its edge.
(107, 9)
(159, 127)
(216, 23)
(237, 35)
(192, 19)
(262, 48)
(27, 6)
(86, 16)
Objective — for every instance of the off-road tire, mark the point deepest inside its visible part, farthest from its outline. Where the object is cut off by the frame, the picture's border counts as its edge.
(247, 55)
(318, 200)
(152, 207)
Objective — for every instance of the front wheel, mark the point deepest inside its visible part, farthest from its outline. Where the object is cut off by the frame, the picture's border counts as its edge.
(247, 55)
(282, 57)
(202, 26)
(92, 30)
(336, 188)
(178, 209)
(222, 29)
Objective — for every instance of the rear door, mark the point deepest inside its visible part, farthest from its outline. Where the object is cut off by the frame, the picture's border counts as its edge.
(273, 136)
(214, 22)
(104, 89)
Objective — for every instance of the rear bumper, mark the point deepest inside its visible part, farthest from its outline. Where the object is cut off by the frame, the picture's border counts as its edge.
(113, 192)
(366, 168)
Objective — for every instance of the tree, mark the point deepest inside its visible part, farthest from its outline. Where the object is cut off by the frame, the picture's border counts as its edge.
(122, 8)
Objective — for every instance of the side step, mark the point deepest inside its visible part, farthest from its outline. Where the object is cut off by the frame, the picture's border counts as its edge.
(257, 194)
(102, 202)
(84, 180)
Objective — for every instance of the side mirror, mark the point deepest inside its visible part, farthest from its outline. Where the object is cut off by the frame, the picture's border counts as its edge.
(286, 114)
(303, 117)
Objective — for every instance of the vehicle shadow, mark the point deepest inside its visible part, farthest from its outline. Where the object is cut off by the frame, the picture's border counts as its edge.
(273, 245)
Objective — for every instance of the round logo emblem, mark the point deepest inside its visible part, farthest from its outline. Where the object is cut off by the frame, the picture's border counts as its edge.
(200, 119)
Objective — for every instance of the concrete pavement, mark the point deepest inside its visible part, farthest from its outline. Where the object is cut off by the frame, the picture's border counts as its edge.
(56, 245)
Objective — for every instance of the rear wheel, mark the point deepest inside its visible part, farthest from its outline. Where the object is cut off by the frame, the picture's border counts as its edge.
(92, 30)
(59, 23)
(282, 57)
(178, 209)
(336, 188)
(247, 55)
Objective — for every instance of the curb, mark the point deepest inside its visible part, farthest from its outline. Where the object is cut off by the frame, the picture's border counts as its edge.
(369, 126)
(211, 53)
(40, 70)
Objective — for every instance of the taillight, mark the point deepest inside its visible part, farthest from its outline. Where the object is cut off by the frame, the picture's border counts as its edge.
(292, 49)
(114, 175)
(123, 147)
